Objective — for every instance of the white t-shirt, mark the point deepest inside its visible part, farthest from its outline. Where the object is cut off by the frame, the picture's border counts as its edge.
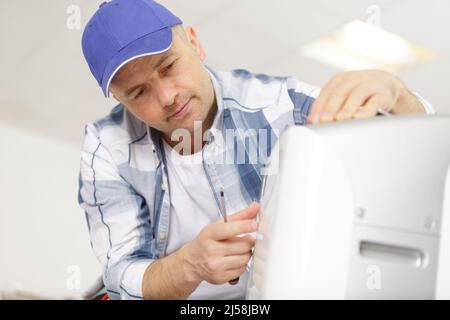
(192, 207)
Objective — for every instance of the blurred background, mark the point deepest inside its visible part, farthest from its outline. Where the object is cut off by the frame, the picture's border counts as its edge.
(47, 95)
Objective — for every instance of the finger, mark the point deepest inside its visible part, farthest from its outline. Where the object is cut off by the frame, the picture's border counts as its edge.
(370, 108)
(357, 98)
(233, 273)
(327, 91)
(236, 262)
(238, 245)
(248, 213)
(335, 101)
(319, 104)
(222, 231)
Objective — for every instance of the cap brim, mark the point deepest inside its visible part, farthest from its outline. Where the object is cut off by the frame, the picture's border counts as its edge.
(151, 44)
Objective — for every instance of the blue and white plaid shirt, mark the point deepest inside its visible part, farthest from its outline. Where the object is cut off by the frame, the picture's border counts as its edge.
(124, 187)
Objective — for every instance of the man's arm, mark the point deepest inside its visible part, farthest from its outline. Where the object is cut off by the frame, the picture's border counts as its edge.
(118, 220)
(427, 106)
(408, 103)
(167, 278)
(360, 94)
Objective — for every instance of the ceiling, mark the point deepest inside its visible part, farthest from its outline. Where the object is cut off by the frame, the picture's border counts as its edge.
(46, 85)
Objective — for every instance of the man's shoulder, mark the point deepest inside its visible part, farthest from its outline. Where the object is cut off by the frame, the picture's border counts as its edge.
(249, 91)
(273, 96)
(118, 127)
(245, 90)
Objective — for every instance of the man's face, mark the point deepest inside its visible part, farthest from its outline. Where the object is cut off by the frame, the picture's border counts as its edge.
(169, 90)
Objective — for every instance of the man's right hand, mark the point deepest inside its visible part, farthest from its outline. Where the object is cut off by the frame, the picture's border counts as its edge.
(219, 254)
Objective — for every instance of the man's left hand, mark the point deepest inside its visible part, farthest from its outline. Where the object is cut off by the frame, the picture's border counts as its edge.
(360, 94)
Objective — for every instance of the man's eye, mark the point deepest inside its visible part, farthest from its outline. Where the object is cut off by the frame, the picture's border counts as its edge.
(138, 94)
(169, 67)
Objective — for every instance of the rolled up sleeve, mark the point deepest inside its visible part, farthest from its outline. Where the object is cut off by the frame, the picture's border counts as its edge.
(302, 96)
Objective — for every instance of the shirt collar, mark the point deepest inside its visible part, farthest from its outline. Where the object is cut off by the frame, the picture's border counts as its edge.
(217, 125)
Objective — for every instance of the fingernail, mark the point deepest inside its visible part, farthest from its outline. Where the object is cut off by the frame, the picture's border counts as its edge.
(326, 117)
(315, 119)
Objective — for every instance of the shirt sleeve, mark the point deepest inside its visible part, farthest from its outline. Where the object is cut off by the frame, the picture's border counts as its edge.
(118, 220)
(302, 96)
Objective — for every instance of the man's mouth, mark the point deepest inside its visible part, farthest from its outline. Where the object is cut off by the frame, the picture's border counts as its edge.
(181, 111)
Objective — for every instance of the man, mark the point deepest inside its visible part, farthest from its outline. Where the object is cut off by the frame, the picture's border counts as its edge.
(154, 218)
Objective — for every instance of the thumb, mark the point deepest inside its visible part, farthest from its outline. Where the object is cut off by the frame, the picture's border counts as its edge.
(248, 213)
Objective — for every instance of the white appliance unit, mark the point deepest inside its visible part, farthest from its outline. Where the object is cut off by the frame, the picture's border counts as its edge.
(353, 210)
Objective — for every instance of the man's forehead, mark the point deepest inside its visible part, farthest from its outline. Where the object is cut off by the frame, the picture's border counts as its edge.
(145, 61)
(130, 69)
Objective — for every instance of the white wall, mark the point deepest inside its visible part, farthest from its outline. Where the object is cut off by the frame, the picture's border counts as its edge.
(44, 242)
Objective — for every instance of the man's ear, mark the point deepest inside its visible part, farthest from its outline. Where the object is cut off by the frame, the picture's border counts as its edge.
(195, 42)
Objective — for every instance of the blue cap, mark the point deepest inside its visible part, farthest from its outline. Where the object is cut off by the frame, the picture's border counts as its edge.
(123, 30)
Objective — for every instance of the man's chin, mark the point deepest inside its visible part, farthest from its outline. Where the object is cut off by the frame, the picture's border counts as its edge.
(190, 125)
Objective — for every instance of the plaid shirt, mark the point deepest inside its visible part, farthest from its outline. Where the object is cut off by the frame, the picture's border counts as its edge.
(124, 187)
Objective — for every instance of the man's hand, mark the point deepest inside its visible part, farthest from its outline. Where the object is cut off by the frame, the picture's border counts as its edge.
(218, 255)
(359, 95)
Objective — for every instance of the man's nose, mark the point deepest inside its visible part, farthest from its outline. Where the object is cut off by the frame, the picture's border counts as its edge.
(166, 92)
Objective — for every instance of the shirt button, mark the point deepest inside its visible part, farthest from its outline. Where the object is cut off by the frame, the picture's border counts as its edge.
(162, 236)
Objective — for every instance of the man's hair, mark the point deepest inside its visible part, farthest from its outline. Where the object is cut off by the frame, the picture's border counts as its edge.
(178, 28)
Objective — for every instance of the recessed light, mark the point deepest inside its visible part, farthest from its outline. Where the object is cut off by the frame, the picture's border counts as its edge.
(359, 45)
